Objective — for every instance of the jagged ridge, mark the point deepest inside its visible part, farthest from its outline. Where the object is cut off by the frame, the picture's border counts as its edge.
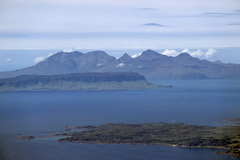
(150, 64)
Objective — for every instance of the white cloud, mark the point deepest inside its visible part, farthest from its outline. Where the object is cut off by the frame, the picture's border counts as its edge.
(50, 54)
(42, 58)
(39, 59)
(197, 53)
(185, 51)
(121, 65)
(136, 55)
(9, 60)
(170, 52)
(210, 53)
(68, 50)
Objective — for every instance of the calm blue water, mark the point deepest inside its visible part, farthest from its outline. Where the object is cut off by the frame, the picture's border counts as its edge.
(205, 102)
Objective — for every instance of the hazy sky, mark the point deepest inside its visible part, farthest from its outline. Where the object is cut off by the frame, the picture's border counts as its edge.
(201, 27)
(109, 24)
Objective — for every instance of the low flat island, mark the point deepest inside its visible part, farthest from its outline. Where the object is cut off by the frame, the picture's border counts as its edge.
(173, 134)
(78, 81)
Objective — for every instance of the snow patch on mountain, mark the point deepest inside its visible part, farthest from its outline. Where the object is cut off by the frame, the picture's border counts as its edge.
(121, 65)
(136, 55)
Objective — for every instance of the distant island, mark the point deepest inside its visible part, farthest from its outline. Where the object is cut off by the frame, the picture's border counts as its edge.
(173, 134)
(77, 81)
(149, 63)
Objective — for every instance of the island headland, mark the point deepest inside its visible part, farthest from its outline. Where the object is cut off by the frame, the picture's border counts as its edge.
(78, 81)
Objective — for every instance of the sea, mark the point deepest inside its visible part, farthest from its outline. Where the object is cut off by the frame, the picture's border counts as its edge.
(40, 114)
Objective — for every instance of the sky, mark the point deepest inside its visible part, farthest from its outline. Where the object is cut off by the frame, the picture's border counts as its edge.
(120, 25)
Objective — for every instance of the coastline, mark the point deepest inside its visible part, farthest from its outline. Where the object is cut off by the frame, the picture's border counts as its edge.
(160, 133)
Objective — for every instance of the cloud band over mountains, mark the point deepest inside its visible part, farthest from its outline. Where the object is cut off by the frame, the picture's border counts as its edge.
(209, 54)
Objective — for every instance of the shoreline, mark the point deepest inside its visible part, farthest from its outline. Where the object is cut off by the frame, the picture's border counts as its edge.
(160, 133)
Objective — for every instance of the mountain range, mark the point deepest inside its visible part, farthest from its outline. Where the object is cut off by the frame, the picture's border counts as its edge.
(150, 63)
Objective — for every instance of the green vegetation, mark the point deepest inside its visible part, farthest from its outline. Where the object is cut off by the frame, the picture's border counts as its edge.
(176, 134)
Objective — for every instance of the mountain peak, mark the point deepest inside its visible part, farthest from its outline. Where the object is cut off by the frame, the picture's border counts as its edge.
(126, 55)
(149, 63)
(149, 51)
(149, 54)
(65, 54)
(125, 58)
(74, 52)
(184, 55)
(97, 53)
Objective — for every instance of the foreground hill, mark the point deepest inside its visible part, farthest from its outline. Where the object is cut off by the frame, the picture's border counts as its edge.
(174, 134)
(150, 64)
(76, 81)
